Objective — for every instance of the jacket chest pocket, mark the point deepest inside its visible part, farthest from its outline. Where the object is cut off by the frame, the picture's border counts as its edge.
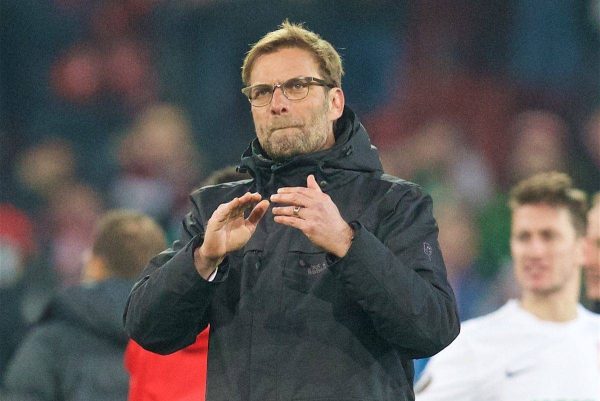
(303, 271)
(305, 267)
(310, 290)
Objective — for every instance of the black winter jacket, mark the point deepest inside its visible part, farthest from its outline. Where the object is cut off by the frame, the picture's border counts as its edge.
(290, 322)
(76, 352)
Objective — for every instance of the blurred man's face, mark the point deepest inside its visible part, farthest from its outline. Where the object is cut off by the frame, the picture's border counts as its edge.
(592, 255)
(547, 254)
(286, 128)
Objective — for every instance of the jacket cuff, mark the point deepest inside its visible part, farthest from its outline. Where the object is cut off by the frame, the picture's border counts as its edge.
(220, 273)
(331, 259)
(183, 275)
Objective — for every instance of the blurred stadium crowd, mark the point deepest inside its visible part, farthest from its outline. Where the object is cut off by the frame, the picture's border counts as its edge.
(132, 103)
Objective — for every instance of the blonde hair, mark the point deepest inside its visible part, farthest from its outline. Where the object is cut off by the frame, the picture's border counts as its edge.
(291, 35)
(127, 240)
(554, 189)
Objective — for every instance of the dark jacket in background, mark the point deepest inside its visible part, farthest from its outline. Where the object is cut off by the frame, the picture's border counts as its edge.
(287, 320)
(75, 353)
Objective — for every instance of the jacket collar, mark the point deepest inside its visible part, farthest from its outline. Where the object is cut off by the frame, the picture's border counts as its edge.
(351, 154)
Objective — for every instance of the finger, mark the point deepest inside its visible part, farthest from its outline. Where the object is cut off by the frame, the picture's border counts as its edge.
(224, 210)
(238, 206)
(311, 183)
(292, 198)
(237, 209)
(248, 198)
(289, 190)
(290, 221)
(293, 211)
(258, 212)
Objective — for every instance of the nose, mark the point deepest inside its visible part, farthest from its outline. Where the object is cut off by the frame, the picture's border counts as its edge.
(279, 103)
(536, 248)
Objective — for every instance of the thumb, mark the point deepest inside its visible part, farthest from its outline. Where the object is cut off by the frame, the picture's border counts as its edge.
(311, 183)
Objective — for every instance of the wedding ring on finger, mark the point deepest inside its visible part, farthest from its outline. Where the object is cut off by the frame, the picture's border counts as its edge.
(296, 211)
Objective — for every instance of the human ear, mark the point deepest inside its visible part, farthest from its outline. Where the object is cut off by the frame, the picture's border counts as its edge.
(336, 102)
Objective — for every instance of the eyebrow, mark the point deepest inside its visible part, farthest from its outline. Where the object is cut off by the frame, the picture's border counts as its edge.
(287, 79)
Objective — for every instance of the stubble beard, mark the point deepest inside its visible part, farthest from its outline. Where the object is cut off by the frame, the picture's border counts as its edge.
(556, 286)
(300, 138)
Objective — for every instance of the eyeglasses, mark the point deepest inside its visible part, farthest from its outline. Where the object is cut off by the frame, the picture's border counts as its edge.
(293, 89)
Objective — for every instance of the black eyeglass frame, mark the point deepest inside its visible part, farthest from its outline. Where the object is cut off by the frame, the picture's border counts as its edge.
(308, 81)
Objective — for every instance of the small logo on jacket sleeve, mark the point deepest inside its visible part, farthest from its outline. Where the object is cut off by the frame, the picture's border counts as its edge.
(428, 250)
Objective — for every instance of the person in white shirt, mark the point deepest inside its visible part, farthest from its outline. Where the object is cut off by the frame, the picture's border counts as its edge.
(544, 346)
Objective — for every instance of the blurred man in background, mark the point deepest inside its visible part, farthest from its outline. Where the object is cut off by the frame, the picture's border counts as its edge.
(76, 351)
(543, 346)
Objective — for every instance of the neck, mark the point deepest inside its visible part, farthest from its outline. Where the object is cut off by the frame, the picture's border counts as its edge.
(552, 308)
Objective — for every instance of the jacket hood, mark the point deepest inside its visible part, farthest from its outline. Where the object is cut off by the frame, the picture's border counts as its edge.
(96, 307)
(352, 152)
